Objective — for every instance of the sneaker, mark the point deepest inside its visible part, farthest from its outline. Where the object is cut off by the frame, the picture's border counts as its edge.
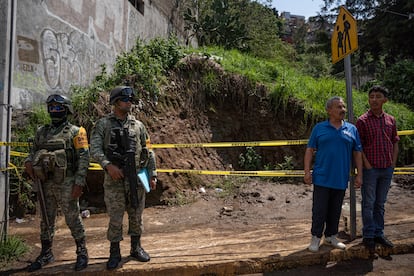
(314, 245)
(384, 241)
(332, 240)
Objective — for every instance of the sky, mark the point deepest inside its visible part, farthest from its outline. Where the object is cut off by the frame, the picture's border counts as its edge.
(306, 8)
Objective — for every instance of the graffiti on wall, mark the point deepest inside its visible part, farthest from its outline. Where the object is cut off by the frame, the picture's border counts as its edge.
(70, 58)
(60, 60)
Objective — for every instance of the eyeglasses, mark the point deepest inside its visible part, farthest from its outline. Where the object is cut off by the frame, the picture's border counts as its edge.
(126, 99)
(55, 98)
(55, 108)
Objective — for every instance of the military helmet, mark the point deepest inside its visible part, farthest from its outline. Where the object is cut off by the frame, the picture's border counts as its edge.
(63, 100)
(120, 92)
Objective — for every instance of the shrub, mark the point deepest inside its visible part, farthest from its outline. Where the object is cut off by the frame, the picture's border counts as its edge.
(11, 249)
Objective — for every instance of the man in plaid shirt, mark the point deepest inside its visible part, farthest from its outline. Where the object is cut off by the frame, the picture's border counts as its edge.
(378, 134)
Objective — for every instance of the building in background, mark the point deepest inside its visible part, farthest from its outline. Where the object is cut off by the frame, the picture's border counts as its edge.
(292, 23)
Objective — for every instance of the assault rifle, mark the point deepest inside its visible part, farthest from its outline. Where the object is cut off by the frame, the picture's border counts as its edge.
(38, 180)
(121, 152)
(41, 198)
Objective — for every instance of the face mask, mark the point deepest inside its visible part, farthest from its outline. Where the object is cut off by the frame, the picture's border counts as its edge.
(58, 117)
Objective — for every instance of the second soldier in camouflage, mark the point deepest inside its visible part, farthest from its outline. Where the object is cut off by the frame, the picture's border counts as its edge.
(113, 138)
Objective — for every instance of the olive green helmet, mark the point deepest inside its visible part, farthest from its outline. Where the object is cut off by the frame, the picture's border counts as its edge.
(120, 92)
(63, 100)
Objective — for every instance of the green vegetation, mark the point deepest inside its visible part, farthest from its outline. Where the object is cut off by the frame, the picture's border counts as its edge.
(401, 76)
(286, 82)
(11, 249)
(20, 187)
(250, 160)
(243, 36)
(228, 186)
(180, 198)
(244, 25)
(144, 67)
(284, 79)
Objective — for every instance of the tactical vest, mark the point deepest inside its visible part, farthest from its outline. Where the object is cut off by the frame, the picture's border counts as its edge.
(55, 157)
(119, 140)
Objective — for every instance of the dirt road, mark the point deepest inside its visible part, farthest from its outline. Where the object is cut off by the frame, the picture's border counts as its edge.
(263, 228)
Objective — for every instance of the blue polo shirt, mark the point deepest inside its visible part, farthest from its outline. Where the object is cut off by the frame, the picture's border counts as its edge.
(333, 154)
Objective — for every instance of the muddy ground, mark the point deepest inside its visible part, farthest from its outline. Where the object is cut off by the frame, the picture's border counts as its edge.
(255, 205)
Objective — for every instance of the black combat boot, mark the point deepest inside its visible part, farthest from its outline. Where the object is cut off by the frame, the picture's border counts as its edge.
(137, 251)
(114, 256)
(45, 257)
(82, 254)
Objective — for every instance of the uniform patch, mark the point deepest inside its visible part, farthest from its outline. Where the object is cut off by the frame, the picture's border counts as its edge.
(80, 141)
(148, 143)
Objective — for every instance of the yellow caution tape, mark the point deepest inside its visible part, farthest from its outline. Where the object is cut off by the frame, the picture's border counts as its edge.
(289, 173)
(279, 173)
(95, 166)
(292, 173)
(218, 144)
(232, 144)
(405, 170)
(17, 153)
(405, 132)
(15, 144)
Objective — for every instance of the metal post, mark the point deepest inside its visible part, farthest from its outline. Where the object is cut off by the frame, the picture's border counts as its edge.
(352, 203)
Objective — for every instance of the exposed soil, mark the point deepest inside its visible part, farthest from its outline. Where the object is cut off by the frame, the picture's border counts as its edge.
(187, 112)
(255, 207)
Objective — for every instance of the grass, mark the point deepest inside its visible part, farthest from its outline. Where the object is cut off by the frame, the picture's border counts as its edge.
(11, 249)
(285, 82)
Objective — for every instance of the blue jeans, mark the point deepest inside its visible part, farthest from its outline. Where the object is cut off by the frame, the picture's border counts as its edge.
(374, 191)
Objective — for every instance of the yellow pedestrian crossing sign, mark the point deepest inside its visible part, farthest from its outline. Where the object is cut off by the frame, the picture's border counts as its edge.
(344, 39)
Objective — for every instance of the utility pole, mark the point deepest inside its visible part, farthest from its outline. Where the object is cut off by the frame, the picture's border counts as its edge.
(7, 31)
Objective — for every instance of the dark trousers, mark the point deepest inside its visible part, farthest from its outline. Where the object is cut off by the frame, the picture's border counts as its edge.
(326, 210)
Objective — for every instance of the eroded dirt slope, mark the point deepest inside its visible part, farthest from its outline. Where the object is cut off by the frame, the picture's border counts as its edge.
(227, 108)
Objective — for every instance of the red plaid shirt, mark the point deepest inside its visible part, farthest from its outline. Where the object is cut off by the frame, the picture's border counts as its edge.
(378, 136)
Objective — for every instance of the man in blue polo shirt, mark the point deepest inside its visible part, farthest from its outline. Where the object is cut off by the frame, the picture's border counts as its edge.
(334, 143)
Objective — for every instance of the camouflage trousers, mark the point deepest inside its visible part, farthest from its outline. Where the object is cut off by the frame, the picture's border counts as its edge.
(117, 200)
(60, 195)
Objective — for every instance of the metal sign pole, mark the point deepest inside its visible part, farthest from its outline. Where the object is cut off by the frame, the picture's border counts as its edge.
(344, 42)
(352, 203)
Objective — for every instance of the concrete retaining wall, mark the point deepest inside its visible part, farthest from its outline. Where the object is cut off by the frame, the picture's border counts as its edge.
(59, 43)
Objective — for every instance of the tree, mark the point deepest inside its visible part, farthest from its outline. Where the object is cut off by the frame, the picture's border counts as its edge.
(386, 27)
(263, 27)
(216, 22)
(399, 79)
(390, 31)
(386, 42)
(245, 25)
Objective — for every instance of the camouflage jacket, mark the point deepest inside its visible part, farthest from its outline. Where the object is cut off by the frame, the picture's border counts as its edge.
(103, 134)
(75, 147)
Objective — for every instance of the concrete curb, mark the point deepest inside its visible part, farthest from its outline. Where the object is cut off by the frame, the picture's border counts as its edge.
(238, 267)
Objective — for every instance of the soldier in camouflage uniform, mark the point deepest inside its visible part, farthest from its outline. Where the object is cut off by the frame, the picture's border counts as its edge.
(58, 162)
(107, 149)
